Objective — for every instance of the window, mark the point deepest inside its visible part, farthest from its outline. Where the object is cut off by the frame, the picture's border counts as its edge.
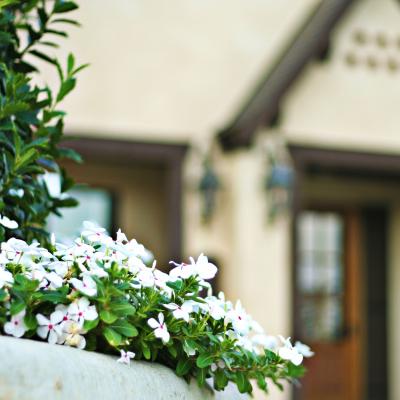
(320, 275)
(94, 205)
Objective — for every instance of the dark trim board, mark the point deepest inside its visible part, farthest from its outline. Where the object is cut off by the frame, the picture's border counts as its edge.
(344, 162)
(131, 153)
(263, 106)
(375, 229)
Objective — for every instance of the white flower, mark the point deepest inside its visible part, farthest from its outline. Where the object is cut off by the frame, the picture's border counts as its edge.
(5, 277)
(54, 280)
(136, 249)
(86, 286)
(126, 357)
(288, 352)
(183, 271)
(121, 238)
(160, 328)
(190, 351)
(93, 232)
(215, 308)
(64, 310)
(72, 335)
(16, 192)
(160, 280)
(14, 248)
(16, 327)
(146, 277)
(303, 349)
(50, 328)
(203, 267)
(180, 312)
(59, 267)
(239, 319)
(8, 223)
(81, 311)
(219, 364)
(266, 341)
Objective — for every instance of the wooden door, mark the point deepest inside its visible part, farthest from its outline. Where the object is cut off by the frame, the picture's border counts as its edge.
(329, 297)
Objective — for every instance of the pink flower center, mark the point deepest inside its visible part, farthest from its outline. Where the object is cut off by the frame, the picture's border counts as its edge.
(16, 323)
(65, 318)
(50, 326)
(80, 314)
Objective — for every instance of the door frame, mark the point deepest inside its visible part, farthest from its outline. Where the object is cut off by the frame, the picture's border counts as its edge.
(129, 153)
(311, 161)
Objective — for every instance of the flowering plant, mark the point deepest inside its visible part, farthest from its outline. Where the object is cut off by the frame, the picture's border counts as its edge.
(99, 294)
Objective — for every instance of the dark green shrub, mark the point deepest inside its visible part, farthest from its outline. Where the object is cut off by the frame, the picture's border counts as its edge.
(31, 122)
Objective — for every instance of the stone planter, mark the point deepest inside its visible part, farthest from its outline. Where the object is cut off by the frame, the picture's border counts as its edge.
(31, 370)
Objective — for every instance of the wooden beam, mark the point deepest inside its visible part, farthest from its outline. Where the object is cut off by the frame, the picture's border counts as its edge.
(263, 106)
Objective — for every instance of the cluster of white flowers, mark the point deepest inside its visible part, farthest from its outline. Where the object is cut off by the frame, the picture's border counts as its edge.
(93, 254)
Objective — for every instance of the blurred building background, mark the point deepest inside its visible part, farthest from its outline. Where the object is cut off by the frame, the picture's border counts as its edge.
(266, 134)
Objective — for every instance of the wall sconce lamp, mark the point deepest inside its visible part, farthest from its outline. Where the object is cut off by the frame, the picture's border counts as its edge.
(208, 187)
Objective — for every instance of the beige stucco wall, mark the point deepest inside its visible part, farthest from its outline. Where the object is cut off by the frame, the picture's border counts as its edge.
(172, 70)
(336, 104)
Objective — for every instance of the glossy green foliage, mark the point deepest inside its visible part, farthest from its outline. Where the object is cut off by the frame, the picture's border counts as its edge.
(31, 122)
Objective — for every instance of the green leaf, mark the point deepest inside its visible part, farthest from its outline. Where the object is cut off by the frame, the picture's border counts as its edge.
(5, 3)
(39, 142)
(204, 360)
(146, 351)
(183, 366)
(201, 376)
(220, 379)
(66, 87)
(112, 337)
(243, 382)
(125, 328)
(89, 325)
(70, 153)
(26, 158)
(42, 56)
(262, 384)
(30, 321)
(17, 306)
(56, 32)
(70, 63)
(172, 350)
(53, 296)
(64, 6)
(22, 283)
(108, 317)
(3, 295)
(176, 285)
(122, 309)
(80, 68)
(65, 21)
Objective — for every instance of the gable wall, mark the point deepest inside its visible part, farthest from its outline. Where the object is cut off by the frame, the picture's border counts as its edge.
(351, 106)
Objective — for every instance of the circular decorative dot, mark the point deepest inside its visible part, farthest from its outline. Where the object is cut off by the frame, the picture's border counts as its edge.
(360, 37)
(381, 40)
(351, 59)
(393, 64)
